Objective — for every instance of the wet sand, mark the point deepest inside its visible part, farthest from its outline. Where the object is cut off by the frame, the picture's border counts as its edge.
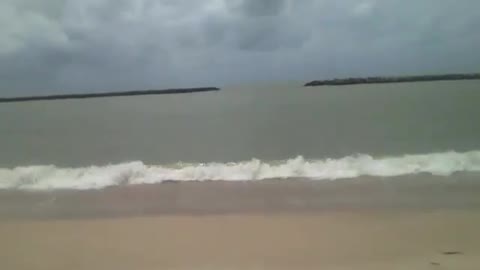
(363, 224)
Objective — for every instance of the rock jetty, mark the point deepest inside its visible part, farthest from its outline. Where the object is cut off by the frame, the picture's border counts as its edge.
(110, 94)
(421, 78)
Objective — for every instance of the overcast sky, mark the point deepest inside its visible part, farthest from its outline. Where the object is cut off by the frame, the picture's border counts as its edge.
(53, 46)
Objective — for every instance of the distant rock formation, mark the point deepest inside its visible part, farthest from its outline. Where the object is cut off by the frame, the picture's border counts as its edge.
(422, 78)
(111, 94)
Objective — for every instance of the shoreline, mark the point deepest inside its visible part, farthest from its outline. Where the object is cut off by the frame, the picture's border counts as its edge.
(278, 196)
(419, 222)
(394, 79)
(110, 94)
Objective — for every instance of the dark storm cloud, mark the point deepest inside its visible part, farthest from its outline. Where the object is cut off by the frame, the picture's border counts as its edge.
(66, 45)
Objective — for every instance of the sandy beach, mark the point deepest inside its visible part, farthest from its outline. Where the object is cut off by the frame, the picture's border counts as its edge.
(367, 240)
(289, 135)
(411, 223)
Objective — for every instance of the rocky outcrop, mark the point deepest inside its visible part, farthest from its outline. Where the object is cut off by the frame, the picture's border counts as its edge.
(348, 81)
(111, 94)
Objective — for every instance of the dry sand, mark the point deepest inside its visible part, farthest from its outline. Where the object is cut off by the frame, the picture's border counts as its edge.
(212, 226)
(367, 240)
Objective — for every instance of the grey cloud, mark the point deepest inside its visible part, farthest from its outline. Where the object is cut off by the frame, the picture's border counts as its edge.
(258, 26)
(258, 8)
(52, 9)
(96, 45)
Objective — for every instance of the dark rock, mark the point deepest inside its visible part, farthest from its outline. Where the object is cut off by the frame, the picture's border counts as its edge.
(111, 94)
(422, 78)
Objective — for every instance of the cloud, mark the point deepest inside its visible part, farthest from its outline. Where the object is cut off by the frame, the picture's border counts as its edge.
(22, 25)
(96, 45)
(253, 8)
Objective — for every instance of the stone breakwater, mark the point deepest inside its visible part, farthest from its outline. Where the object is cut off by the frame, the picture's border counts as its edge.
(367, 80)
(110, 94)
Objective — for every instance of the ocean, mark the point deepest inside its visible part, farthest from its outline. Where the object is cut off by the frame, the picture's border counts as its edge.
(243, 133)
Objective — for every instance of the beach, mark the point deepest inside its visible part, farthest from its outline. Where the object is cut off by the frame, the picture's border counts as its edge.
(239, 135)
(379, 176)
(366, 223)
(330, 240)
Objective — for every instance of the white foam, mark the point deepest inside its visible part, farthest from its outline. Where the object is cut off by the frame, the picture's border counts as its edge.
(96, 177)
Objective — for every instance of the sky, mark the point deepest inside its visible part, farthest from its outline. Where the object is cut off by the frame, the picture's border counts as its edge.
(65, 46)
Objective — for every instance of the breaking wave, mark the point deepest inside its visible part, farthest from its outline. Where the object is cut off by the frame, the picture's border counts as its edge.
(96, 177)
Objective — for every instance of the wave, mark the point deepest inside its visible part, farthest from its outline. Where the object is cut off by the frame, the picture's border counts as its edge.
(97, 177)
